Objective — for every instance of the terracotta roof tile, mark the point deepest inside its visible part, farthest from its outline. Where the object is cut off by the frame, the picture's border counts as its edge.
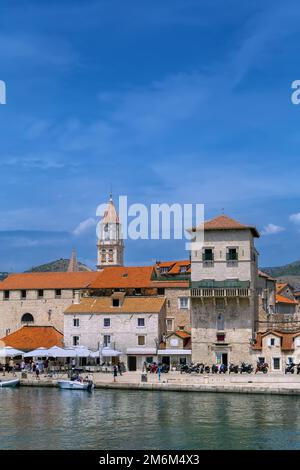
(28, 338)
(130, 305)
(123, 277)
(66, 280)
(223, 222)
(280, 299)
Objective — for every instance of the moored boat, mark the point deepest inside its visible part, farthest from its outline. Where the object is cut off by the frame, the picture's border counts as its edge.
(75, 385)
(9, 383)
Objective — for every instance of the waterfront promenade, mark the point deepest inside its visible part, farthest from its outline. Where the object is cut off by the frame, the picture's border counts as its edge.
(271, 383)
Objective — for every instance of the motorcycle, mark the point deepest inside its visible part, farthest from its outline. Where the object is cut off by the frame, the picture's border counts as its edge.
(298, 369)
(290, 368)
(262, 367)
(248, 368)
(233, 369)
(223, 369)
(214, 369)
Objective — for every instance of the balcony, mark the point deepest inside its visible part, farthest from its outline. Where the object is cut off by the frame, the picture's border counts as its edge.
(220, 289)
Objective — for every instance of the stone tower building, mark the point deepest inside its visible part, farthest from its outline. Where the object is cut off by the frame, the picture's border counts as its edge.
(224, 300)
(110, 243)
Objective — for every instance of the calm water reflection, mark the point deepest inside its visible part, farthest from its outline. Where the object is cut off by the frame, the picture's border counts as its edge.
(115, 419)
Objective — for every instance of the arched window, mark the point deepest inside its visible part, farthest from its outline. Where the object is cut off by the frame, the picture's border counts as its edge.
(220, 322)
(27, 318)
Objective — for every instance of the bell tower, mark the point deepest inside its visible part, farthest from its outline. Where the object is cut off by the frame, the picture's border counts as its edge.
(110, 245)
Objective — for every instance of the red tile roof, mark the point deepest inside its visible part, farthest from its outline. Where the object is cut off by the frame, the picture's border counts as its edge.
(280, 299)
(287, 339)
(137, 304)
(28, 338)
(182, 334)
(66, 280)
(223, 222)
(123, 277)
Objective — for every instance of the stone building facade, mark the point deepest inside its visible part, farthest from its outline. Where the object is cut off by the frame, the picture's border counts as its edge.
(135, 326)
(224, 297)
(277, 348)
(39, 298)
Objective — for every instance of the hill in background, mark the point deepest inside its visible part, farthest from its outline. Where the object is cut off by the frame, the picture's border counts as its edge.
(57, 266)
(288, 273)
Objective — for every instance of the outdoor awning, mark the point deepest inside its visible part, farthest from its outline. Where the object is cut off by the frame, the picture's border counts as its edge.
(174, 352)
(56, 351)
(81, 351)
(144, 351)
(8, 351)
(106, 352)
(39, 352)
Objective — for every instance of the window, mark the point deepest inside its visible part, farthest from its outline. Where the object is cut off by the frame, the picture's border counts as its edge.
(116, 302)
(164, 270)
(7, 331)
(232, 254)
(170, 324)
(27, 318)
(141, 321)
(168, 303)
(58, 293)
(160, 291)
(174, 342)
(6, 295)
(40, 293)
(272, 342)
(23, 294)
(208, 255)
(75, 340)
(183, 269)
(220, 322)
(106, 340)
(183, 302)
(221, 337)
(290, 360)
(106, 322)
(76, 322)
(138, 291)
(141, 340)
(276, 363)
(261, 360)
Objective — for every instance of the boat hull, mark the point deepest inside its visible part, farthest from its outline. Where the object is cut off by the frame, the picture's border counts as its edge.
(73, 385)
(9, 383)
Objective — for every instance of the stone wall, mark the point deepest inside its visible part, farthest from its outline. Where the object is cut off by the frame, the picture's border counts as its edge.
(181, 316)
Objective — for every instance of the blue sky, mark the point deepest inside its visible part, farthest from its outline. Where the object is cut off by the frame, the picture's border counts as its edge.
(168, 101)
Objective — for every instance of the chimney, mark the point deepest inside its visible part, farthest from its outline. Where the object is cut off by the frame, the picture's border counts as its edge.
(76, 297)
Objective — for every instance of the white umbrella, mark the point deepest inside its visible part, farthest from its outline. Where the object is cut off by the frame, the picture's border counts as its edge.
(8, 351)
(56, 351)
(81, 351)
(39, 352)
(108, 352)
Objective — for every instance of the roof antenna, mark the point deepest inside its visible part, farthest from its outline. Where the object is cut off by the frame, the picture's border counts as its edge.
(110, 194)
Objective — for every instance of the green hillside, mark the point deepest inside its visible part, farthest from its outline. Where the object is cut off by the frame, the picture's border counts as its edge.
(292, 269)
(60, 265)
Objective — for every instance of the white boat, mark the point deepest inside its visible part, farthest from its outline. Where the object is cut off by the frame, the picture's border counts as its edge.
(75, 385)
(9, 383)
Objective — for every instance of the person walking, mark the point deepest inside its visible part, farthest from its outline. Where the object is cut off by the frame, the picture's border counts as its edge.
(37, 371)
(115, 373)
(159, 372)
(119, 368)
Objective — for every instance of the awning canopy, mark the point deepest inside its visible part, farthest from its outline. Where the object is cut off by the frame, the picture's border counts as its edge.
(106, 352)
(8, 351)
(174, 352)
(143, 351)
(39, 352)
(81, 351)
(56, 351)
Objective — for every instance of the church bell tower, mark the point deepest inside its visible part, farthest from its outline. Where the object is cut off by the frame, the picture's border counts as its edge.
(110, 243)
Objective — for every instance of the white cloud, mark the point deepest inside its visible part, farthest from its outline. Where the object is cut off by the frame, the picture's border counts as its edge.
(272, 229)
(84, 226)
(295, 218)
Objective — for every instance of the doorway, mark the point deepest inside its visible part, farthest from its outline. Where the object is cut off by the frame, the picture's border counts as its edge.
(225, 359)
(132, 363)
(166, 360)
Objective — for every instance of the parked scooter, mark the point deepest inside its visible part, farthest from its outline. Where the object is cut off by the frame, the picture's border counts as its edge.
(248, 368)
(214, 369)
(290, 368)
(223, 369)
(233, 369)
(262, 367)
